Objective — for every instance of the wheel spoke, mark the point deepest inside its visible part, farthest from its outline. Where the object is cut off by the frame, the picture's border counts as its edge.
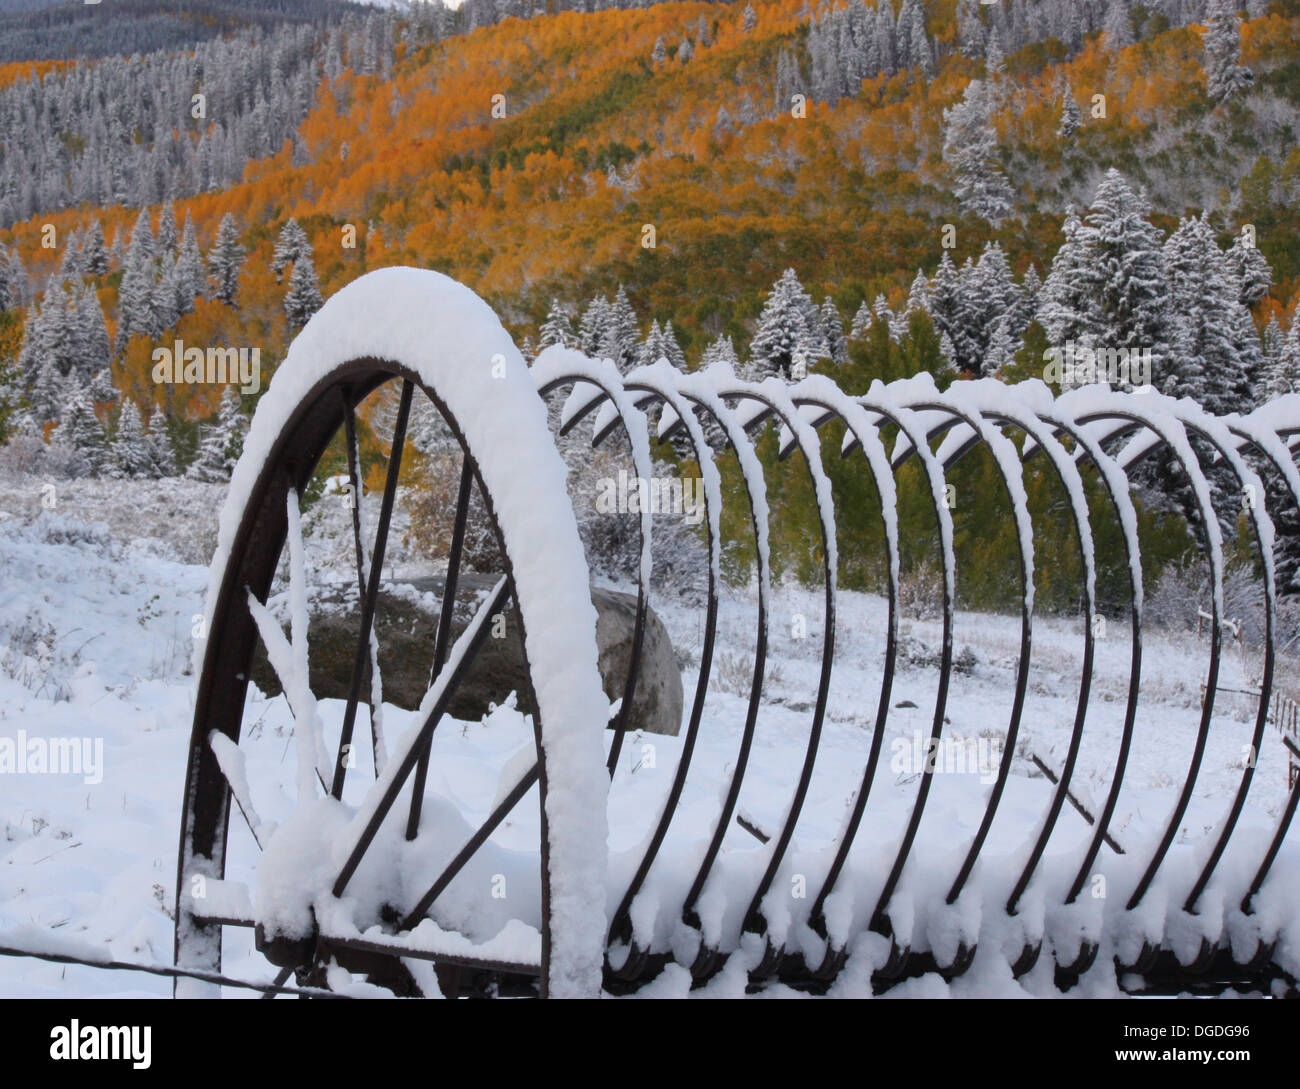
(444, 629)
(471, 846)
(372, 587)
(230, 759)
(436, 700)
(377, 747)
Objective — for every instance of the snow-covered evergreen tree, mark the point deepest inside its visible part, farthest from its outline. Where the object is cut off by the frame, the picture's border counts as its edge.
(221, 442)
(969, 148)
(303, 298)
(832, 328)
(291, 244)
(94, 253)
(557, 328)
(750, 19)
(225, 261)
(1225, 75)
(591, 327)
(190, 277)
(167, 236)
(128, 453)
(861, 323)
(162, 454)
(80, 433)
(1250, 269)
(621, 338)
(1071, 115)
(135, 297)
(785, 333)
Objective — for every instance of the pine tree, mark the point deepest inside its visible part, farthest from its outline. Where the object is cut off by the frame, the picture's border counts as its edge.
(1118, 26)
(557, 328)
(94, 252)
(832, 327)
(969, 148)
(1002, 348)
(167, 231)
(189, 270)
(1250, 270)
(620, 339)
(750, 19)
(70, 266)
(162, 454)
(1071, 115)
(1065, 308)
(303, 298)
(918, 297)
(591, 328)
(221, 442)
(783, 336)
(289, 247)
(80, 432)
(659, 54)
(1124, 277)
(128, 453)
(135, 298)
(862, 320)
(1224, 74)
(225, 261)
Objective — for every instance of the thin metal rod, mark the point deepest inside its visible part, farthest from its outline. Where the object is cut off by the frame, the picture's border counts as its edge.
(477, 633)
(372, 588)
(443, 637)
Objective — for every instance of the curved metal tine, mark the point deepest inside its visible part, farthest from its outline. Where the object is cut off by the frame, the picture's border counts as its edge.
(1067, 473)
(1006, 461)
(781, 405)
(1218, 437)
(236, 780)
(461, 659)
(1116, 486)
(751, 471)
(443, 636)
(868, 438)
(1173, 434)
(909, 424)
(372, 587)
(1271, 447)
(704, 456)
(376, 701)
(610, 383)
(471, 845)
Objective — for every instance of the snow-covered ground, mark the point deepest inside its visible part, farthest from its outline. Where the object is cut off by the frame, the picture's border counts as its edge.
(95, 642)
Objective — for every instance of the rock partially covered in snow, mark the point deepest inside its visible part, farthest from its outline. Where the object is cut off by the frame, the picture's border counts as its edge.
(407, 621)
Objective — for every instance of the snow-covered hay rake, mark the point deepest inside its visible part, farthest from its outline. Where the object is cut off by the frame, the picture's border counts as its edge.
(515, 868)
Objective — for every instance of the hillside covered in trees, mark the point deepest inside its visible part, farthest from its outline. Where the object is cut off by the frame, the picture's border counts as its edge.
(866, 189)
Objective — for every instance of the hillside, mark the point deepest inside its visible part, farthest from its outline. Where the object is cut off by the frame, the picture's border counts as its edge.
(676, 158)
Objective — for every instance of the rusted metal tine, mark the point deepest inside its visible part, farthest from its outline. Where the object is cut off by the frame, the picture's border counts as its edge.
(477, 636)
(443, 638)
(372, 588)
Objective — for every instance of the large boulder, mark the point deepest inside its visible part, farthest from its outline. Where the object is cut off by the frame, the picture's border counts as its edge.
(407, 622)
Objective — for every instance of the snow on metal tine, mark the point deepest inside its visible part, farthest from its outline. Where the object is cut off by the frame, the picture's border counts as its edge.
(1270, 445)
(702, 393)
(1091, 405)
(774, 395)
(1219, 438)
(909, 423)
(559, 367)
(1117, 489)
(1007, 464)
(663, 383)
(836, 405)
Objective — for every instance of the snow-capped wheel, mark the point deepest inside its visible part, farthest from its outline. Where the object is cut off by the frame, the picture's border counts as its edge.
(356, 880)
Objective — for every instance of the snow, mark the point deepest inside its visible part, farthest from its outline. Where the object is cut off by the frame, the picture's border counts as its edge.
(451, 339)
